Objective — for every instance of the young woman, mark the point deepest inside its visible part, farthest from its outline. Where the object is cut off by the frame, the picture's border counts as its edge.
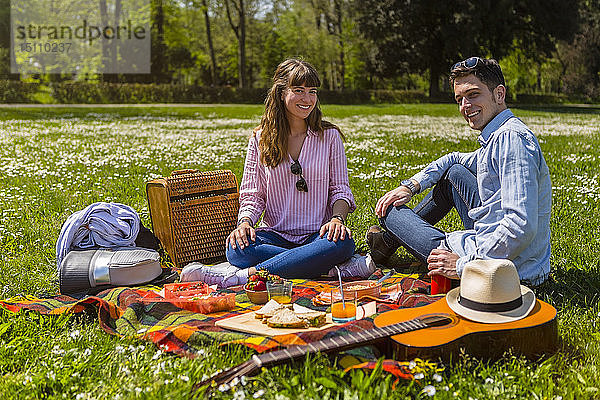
(296, 177)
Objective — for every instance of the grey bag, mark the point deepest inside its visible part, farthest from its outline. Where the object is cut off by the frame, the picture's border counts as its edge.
(95, 270)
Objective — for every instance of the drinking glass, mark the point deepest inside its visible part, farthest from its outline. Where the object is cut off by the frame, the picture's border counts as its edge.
(281, 292)
(440, 284)
(342, 312)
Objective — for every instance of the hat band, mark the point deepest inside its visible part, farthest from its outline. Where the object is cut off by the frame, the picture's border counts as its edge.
(491, 307)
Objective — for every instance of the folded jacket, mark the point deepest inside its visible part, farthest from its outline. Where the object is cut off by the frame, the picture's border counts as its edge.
(106, 225)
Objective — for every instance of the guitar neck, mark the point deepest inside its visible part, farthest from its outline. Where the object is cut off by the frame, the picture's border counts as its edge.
(326, 345)
(339, 343)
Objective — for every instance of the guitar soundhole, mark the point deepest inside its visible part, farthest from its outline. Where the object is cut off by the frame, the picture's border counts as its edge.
(453, 320)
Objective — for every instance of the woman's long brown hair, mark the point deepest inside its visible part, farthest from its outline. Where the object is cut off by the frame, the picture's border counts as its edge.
(275, 128)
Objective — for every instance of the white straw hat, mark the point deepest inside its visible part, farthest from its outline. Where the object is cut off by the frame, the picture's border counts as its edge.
(490, 292)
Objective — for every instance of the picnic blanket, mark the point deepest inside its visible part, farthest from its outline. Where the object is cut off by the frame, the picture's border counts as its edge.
(121, 312)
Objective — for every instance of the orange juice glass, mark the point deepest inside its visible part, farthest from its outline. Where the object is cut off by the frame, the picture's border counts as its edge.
(342, 312)
(280, 292)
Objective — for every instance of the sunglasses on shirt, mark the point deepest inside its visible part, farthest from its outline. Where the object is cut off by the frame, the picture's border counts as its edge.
(296, 169)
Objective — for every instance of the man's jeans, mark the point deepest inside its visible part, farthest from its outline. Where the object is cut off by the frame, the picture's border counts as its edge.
(310, 259)
(414, 228)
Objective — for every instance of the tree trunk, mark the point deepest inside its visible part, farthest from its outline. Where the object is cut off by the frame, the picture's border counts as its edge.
(104, 22)
(338, 11)
(157, 68)
(113, 45)
(334, 82)
(317, 12)
(434, 80)
(240, 34)
(213, 69)
(242, 47)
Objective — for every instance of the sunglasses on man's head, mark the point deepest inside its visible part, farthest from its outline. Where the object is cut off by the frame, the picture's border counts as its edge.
(296, 169)
(469, 63)
(473, 62)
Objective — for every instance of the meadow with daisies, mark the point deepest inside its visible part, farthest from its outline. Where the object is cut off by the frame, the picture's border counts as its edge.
(55, 161)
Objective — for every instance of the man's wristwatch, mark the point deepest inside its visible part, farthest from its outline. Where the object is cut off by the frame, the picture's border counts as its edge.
(338, 216)
(244, 219)
(410, 185)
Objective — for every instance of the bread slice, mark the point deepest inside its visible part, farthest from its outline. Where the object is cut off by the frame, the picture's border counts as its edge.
(268, 308)
(314, 318)
(286, 318)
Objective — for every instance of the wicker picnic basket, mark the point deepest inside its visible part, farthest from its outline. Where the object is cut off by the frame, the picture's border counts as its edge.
(192, 213)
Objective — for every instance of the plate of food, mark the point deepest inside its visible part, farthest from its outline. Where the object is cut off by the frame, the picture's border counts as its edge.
(361, 288)
(278, 319)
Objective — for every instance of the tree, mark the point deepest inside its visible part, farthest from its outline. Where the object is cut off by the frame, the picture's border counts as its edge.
(158, 66)
(109, 49)
(431, 35)
(211, 49)
(5, 38)
(581, 58)
(331, 12)
(239, 28)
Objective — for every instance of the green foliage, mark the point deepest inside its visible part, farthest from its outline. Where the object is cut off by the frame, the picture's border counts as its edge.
(421, 36)
(4, 62)
(532, 79)
(371, 96)
(17, 92)
(90, 93)
(520, 73)
(81, 92)
(367, 44)
(523, 98)
(580, 59)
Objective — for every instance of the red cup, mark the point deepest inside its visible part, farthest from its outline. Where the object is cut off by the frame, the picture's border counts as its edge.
(440, 284)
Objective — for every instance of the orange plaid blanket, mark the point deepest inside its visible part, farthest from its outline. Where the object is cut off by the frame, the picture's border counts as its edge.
(121, 312)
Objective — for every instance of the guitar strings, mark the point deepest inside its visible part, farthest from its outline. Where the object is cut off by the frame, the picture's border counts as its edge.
(357, 337)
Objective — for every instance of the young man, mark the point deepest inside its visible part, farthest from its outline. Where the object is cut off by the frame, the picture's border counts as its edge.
(502, 190)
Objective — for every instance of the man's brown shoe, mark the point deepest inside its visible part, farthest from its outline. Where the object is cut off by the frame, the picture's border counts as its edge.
(380, 251)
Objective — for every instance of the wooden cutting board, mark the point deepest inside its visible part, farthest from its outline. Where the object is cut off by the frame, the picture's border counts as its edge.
(248, 323)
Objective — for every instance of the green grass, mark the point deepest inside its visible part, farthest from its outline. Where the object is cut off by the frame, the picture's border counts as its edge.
(54, 161)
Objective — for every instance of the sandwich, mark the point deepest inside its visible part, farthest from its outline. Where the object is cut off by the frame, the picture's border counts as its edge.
(314, 318)
(286, 318)
(269, 309)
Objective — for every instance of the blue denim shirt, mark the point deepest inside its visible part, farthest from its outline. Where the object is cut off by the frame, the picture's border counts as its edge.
(513, 220)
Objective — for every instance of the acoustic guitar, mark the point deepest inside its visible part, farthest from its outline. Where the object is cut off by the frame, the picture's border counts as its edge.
(532, 336)
(445, 334)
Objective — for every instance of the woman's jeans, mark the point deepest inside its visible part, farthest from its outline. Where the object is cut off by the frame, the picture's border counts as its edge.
(414, 230)
(310, 259)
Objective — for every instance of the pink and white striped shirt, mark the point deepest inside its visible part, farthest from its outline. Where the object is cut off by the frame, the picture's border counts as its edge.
(293, 214)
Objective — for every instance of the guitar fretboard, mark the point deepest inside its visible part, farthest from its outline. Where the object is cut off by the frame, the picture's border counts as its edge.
(337, 343)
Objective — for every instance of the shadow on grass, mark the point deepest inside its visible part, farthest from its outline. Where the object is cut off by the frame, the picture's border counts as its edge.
(407, 265)
(564, 288)
(571, 287)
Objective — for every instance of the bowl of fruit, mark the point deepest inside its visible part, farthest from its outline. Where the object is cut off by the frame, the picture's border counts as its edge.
(256, 288)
